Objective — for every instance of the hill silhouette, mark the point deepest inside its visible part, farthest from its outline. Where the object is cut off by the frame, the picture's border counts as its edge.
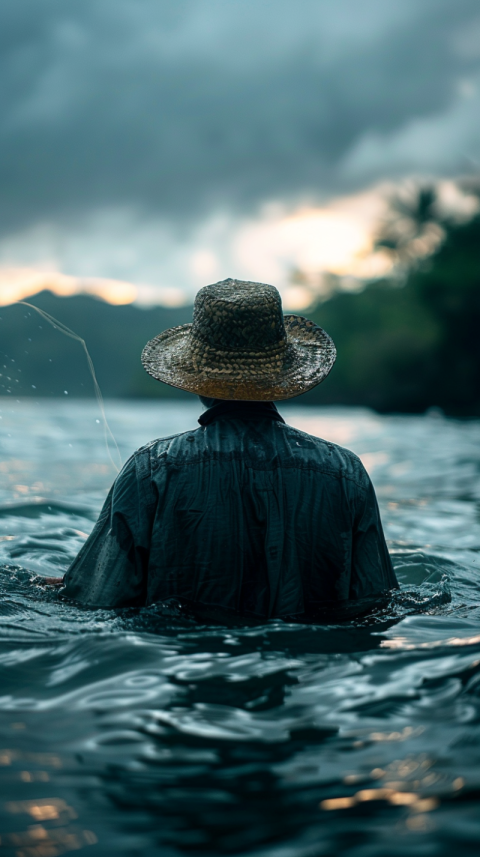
(41, 361)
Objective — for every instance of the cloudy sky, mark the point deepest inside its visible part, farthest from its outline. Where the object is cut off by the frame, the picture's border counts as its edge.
(168, 143)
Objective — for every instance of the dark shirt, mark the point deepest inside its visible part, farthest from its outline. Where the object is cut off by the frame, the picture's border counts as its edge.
(244, 513)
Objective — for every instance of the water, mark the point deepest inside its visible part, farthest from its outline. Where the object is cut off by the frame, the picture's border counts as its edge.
(139, 732)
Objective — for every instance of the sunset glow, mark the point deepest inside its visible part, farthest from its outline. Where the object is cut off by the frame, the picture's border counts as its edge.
(16, 284)
(294, 249)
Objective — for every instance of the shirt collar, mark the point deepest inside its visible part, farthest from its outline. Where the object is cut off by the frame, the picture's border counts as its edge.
(240, 410)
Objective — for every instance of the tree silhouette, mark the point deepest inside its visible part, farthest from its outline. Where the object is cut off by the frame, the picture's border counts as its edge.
(414, 227)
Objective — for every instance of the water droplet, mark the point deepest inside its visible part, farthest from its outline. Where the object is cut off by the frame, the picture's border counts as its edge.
(33, 387)
(97, 421)
(66, 392)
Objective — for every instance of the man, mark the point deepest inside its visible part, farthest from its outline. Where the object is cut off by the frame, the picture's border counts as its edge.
(244, 513)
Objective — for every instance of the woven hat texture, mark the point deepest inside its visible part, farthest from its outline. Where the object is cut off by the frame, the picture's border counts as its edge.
(240, 346)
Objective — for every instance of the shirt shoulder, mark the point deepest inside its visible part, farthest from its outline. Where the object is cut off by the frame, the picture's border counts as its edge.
(325, 453)
(161, 447)
(290, 447)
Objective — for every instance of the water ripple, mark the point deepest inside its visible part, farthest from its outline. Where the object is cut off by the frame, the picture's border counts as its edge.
(145, 730)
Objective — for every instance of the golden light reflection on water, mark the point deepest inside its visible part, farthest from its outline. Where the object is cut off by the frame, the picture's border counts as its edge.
(391, 796)
(21, 481)
(34, 776)
(401, 642)
(403, 735)
(407, 782)
(397, 735)
(336, 430)
(419, 823)
(372, 460)
(50, 833)
(7, 757)
(37, 841)
(44, 809)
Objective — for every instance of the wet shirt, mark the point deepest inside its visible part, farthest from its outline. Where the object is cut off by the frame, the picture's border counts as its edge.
(244, 513)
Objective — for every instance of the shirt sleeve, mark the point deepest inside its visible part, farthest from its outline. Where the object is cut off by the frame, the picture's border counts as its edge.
(372, 569)
(111, 568)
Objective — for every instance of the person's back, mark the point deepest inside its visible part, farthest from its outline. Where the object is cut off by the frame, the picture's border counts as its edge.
(244, 513)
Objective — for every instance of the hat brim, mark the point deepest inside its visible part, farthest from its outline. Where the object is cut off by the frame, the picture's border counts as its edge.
(304, 362)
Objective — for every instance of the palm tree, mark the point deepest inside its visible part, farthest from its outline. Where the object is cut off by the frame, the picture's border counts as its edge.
(414, 228)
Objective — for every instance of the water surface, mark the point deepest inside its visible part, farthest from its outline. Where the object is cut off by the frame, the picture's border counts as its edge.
(137, 732)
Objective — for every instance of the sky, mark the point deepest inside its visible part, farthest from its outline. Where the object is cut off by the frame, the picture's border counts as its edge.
(149, 147)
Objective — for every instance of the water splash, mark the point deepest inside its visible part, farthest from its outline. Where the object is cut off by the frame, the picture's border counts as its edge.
(58, 325)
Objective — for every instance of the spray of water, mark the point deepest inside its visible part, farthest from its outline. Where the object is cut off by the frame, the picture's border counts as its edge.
(109, 438)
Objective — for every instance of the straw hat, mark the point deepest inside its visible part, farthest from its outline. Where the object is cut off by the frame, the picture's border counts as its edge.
(241, 346)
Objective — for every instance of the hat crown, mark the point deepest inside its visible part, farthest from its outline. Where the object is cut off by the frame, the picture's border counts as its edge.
(237, 315)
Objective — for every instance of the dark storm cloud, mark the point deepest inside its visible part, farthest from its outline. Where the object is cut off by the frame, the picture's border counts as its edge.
(182, 105)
